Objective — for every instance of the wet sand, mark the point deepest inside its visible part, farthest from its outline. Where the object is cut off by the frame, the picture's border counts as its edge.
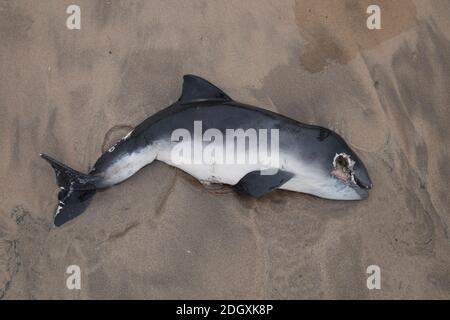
(163, 235)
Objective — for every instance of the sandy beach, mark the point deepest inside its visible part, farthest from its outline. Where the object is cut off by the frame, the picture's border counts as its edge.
(163, 235)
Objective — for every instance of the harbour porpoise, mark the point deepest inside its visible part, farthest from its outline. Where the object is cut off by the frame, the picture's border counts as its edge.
(218, 140)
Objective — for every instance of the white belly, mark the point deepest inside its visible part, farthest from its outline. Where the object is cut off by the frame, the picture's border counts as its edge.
(306, 178)
(213, 172)
(128, 165)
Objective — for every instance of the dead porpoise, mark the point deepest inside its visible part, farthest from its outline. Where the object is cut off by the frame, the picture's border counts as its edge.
(310, 159)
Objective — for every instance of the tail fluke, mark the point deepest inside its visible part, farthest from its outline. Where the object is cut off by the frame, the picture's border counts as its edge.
(76, 191)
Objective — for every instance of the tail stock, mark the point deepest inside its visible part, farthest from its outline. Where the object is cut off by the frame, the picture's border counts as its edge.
(76, 191)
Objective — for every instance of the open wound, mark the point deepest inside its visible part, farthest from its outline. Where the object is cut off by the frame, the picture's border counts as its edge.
(343, 167)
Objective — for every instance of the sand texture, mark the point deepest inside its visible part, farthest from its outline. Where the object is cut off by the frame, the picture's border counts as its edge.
(161, 234)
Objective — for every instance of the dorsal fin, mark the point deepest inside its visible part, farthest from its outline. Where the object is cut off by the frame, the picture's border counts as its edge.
(199, 89)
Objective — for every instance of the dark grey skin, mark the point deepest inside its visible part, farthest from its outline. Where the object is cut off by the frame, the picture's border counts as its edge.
(315, 160)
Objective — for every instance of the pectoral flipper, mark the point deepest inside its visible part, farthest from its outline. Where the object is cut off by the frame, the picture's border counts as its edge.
(258, 183)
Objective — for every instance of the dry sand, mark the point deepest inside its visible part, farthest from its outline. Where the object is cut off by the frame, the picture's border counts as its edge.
(163, 235)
